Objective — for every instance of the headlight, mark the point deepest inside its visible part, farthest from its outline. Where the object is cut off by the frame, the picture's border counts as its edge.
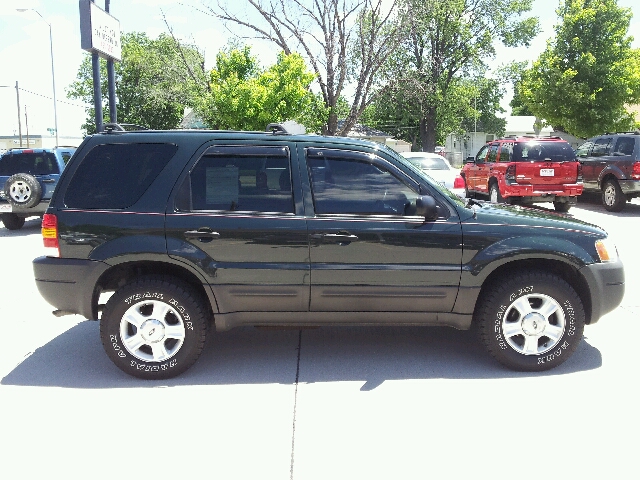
(607, 250)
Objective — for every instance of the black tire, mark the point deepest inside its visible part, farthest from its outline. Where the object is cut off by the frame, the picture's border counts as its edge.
(562, 207)
(23, 190)
(516, 328)
(494, 193)
(612, 197)
(467, 192)
(148, 350)
(12, 221)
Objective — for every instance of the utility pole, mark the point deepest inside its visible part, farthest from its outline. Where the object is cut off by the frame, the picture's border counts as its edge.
(19, 119)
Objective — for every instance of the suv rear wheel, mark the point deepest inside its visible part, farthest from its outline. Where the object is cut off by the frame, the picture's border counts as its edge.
(154, 327)
(532, 321)
(612, 197)
(12, 221)
(494, 193)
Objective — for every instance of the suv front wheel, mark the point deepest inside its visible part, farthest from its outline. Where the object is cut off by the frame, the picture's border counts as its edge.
(532, 321)
(612, 197)
(154, 327)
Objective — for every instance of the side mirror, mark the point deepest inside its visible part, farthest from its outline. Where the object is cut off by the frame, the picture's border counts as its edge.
(470, 160)
(426, 207)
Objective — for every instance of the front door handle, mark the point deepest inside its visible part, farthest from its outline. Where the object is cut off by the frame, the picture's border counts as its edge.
(339, 238)
(204, 234)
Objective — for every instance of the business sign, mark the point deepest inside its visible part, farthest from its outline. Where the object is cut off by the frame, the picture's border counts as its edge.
(99, 31)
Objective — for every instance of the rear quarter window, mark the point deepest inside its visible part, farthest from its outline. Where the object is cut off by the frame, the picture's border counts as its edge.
(115, 176)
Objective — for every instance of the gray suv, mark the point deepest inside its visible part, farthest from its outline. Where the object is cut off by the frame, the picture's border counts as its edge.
(611, 166)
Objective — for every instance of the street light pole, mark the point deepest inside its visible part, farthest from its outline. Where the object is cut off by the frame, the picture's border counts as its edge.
(53, 74)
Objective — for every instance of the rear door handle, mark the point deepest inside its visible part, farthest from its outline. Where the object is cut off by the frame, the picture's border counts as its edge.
(48, 180)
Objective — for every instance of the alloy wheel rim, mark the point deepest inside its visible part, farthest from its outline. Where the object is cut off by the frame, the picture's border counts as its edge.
(152, 331)
(533, 324)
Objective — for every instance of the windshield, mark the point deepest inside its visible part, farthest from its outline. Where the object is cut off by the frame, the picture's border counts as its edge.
(429, 163)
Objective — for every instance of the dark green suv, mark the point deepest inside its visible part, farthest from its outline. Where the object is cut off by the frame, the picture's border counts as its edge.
(162, 234)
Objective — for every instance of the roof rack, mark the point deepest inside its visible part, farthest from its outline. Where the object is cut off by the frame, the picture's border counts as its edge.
(122, 127)
(286, 128)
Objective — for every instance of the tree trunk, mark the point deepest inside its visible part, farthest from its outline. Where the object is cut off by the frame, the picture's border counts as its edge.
(428, 130)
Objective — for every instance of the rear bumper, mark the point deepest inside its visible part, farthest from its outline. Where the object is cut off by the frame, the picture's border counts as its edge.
(37, 210)
(630, 187)
(544, 194)
(68, 284)
(606, 284)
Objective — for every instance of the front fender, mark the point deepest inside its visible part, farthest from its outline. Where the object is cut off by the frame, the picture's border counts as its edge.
(486, 260)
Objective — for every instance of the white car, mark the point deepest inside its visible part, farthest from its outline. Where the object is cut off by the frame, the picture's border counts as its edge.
(438, 168)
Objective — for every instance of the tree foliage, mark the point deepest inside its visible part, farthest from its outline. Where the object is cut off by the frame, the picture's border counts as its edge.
(346, 42)
(155, 80)
(588, 72)
(470, 105)
(447, 43)
(242, 96)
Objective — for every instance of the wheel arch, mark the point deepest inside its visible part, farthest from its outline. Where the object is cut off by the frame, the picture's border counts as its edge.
(120, 274)
(567, 272)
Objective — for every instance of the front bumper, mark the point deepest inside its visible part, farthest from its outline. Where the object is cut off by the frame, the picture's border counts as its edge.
(69, 283)
(606, 285)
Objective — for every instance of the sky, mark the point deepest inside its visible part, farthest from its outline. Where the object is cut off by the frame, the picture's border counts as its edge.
(25, 52)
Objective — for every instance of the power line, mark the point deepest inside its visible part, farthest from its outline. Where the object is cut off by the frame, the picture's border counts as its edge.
(73, 104)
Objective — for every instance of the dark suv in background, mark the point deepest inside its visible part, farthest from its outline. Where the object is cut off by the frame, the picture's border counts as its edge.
(611, 166)
(28, 177)
(162, 234)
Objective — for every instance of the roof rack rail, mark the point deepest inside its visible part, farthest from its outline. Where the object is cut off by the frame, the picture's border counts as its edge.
(122, 127)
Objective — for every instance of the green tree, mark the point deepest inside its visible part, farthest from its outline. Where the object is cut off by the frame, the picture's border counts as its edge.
(470, 104)
(588, 72)
(346, 42)
(448, 41)
(242, 96)
(155, 80)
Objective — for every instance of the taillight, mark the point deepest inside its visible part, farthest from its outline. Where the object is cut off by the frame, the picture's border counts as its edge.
(579, 179)
(510, 174)
(635, 173)
(50, 235)
(458, 182)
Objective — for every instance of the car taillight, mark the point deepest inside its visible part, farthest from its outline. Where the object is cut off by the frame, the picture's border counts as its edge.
(50, 235)
(510, 174)
(579, 179)
(635, 173)
(458, 182)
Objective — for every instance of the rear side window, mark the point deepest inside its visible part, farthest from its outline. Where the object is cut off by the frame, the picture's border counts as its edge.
(43, 163)
(624, 146)
(240, 179)
(115, 176)
(541, 152)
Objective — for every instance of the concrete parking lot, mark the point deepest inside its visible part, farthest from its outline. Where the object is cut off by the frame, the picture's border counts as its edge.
(330, 403)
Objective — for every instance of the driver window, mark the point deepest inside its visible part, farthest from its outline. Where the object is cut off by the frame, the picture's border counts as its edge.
(352, 186)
